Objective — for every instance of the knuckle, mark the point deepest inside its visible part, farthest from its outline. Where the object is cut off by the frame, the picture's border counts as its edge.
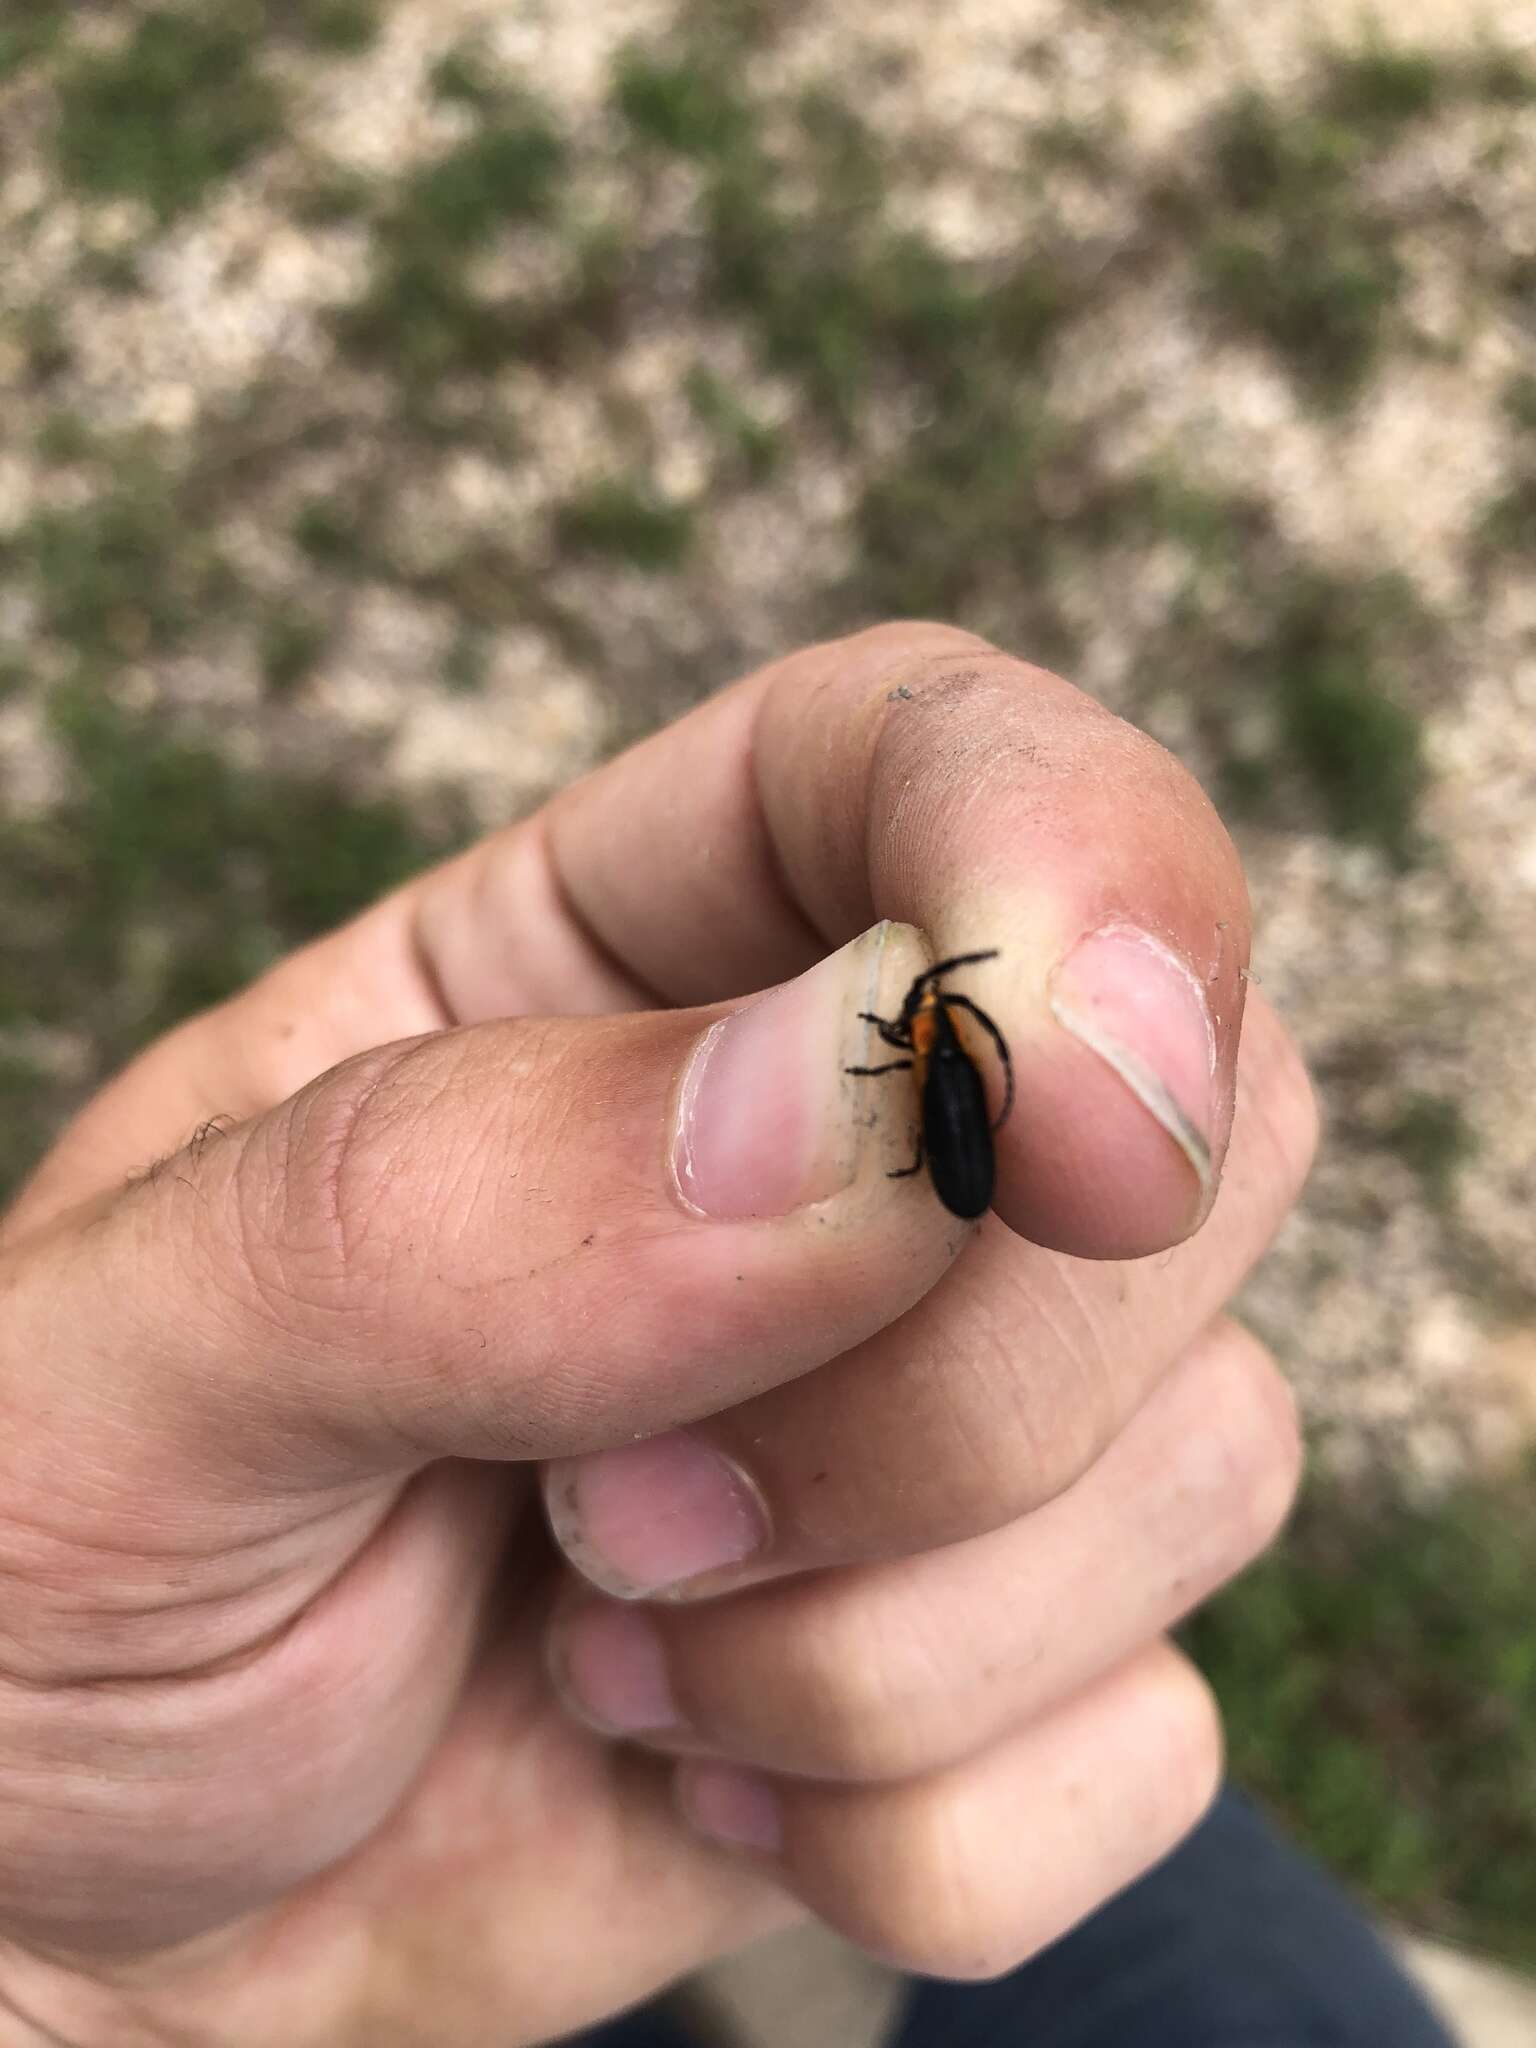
(920, 639)
(1067, 1428)
(848, 1699)
(963, 1937)
(930, 1911)
(939, 664)
(323, 1167)
(1181, 1725)
(934, 1877)
(1257, 1441)
(1276, 1091)
(1027, 1418)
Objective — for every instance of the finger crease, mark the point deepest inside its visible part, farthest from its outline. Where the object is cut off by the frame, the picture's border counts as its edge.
(603, 954)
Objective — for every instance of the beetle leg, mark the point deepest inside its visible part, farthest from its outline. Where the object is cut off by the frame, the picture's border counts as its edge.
(890, 1067)
(898, 1034)
(965, 1003)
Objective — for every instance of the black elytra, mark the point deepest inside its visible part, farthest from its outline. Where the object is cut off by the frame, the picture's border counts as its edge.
(955, 1141)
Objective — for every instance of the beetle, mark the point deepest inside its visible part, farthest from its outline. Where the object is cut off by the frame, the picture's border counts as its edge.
(955, 1140)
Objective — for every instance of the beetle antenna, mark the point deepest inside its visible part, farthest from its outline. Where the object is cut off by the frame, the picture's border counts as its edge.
(959, 960)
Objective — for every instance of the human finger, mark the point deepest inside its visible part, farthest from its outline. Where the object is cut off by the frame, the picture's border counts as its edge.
(965, 1872)
(988, 1397)
(917, 773)
(509, 1241)
(891, 1671)
(910, 772)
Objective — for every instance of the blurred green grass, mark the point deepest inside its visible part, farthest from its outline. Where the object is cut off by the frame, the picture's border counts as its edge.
(1378, 1676)
(164, 880)
(1380, 1671)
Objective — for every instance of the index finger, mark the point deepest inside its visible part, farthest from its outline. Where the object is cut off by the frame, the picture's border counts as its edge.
(910, 772)
(915, 772)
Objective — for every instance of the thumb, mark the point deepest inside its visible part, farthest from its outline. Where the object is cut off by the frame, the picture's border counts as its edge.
(518, 1239)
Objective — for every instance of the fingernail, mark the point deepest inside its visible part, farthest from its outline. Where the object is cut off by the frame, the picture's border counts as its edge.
(610, 1667)
(761, 1126)
(1134, 1002)
(729, 1805)
(649, 1517)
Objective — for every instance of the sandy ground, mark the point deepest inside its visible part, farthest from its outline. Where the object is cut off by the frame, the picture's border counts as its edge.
(1395, 1315)
(1409, 1325)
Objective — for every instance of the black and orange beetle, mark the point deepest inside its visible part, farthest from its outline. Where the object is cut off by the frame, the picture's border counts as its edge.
(955, 1140)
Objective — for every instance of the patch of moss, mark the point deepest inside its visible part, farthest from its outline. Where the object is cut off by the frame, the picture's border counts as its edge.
(1519, 282)
(63, 436)
(114, 270)
(340, 28)
(680, 101)
(332, 533)
(1149, 10)
(825, 308)
(1323, 303)
(1300, 682)
(31, 29)
(623, 519)
(841, 152)
(465, 75)
(1508, 523)
(1292, 254)
(1382, 87)
(419, 319)
(800, 245)
(1362, 752)
(181, 105)
(1498, 76)
(330, 195)
(130, 571)
(1327, 644)
(1267, 158)
(1431, 1134)
(1062, 143)
(467, 662)
(40, 335)
(1166, 24)
(1217, 529)
(290, 643)
(750, 445)
(505, 171)
(736, 28)
(954, 514)
(420, 315)
(1520, 402)
(28, 1117)
(1291, 246)
(167, 876)
(583, 316)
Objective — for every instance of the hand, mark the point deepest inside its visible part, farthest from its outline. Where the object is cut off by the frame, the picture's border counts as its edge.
(280, 1761)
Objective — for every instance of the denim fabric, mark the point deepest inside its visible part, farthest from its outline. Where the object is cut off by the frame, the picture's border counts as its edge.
(1235, 1941)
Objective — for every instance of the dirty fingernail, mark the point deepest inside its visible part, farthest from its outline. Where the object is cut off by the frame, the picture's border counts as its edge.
(1133, 1001)
(758, 1130)
(650, 1516)
(610, 1666)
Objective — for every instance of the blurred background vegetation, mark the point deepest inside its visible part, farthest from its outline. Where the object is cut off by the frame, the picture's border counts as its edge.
(407, 404)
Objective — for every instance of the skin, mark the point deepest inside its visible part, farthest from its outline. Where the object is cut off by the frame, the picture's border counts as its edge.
(295, 1689)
